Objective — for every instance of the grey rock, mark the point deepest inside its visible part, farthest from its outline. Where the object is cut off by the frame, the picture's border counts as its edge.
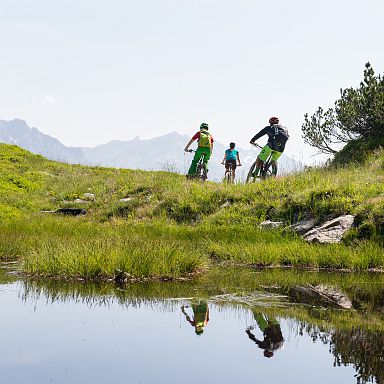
(80, 201)
(331, 231)
(126, 199)
(268, 224)
(226, 204)
(89, 196)
(304, 225)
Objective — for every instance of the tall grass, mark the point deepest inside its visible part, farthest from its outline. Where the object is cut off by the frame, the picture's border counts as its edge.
(170, 226)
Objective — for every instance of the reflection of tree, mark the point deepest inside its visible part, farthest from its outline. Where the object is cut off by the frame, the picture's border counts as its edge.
(360, 347)
(364, 349)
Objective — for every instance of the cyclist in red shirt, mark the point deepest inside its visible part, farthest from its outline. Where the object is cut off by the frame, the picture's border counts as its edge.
(205, 147)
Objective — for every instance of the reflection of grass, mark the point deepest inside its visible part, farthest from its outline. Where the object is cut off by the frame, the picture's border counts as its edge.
(235, 287)
(170, 227)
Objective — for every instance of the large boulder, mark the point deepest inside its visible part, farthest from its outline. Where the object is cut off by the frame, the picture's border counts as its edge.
(331, 231)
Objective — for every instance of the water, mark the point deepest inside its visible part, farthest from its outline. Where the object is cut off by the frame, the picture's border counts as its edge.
(229, 326)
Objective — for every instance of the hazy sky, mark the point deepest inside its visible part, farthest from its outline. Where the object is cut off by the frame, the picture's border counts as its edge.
(88, 71)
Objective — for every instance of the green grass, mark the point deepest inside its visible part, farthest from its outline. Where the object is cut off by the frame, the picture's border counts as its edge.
(172, 227)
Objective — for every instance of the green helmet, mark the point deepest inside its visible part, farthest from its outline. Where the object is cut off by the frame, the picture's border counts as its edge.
(204, 126)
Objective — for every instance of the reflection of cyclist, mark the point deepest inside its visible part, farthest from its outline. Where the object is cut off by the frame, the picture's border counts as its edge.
(273, 338)
(205, 147)
(277, 137)
(230, 157)
(200, 315)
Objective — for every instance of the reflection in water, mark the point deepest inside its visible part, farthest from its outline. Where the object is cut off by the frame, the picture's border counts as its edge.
(200, 315)
(364, 349)
(272, 337)
(355, 338)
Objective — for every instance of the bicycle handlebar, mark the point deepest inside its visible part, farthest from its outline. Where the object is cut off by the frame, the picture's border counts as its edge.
(257, 145)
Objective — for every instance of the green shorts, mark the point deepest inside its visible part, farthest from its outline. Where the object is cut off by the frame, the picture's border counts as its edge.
(266, 151)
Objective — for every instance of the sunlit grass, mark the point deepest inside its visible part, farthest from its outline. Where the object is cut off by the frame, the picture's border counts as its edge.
(170, 227)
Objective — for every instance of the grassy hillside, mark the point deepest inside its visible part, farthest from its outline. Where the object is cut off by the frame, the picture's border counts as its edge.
(171, 227)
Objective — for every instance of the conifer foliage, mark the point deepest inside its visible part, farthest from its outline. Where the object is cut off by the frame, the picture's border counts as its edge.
(357, 115)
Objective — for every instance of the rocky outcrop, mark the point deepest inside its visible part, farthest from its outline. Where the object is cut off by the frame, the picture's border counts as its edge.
(331, 231)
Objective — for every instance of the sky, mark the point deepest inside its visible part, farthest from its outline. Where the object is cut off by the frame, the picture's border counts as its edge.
(89, 71)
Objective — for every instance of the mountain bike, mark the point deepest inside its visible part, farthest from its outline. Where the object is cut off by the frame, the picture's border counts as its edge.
(230, 173)
(201, 169)
(265, 171)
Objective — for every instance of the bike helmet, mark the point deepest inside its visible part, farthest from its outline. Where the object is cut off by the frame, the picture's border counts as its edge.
(204, 126)
(232, 145)
(274, 120)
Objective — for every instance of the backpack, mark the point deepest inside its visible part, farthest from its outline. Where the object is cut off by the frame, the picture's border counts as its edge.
(205, 139)
(281, 136)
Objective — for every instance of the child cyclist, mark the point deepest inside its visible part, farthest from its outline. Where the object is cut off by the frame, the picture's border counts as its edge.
(230, 157)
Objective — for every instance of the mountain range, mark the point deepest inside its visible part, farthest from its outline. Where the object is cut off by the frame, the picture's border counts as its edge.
(163, 153)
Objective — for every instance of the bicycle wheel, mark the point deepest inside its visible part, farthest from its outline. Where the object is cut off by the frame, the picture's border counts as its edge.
(204, 175)
(250, 178)
(266, 170)
(228, 175)
(199, 171)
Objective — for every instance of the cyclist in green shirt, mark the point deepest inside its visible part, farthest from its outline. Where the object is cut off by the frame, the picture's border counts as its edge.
(205, 147)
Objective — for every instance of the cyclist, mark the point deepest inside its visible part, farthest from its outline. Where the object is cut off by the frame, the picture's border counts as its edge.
(272, 337)
(230, 157)
(200, 315)
(277, 137)
(205, 147)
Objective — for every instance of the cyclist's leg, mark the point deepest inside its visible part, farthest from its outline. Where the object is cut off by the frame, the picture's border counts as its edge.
(275, 156)
(234, 164)
(207, 156)
(226, 169)
(195, 160)
(263, 155)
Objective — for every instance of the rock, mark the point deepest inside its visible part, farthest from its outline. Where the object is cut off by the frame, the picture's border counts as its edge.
(226, 204)
(326, 295)
(331, 231)
(304, 225)
(268, 224)
(89, 196)
(80, 201)
(126, 199)
(68, 211)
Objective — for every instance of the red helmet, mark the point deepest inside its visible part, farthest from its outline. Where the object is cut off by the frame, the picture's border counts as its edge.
(274, 120)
